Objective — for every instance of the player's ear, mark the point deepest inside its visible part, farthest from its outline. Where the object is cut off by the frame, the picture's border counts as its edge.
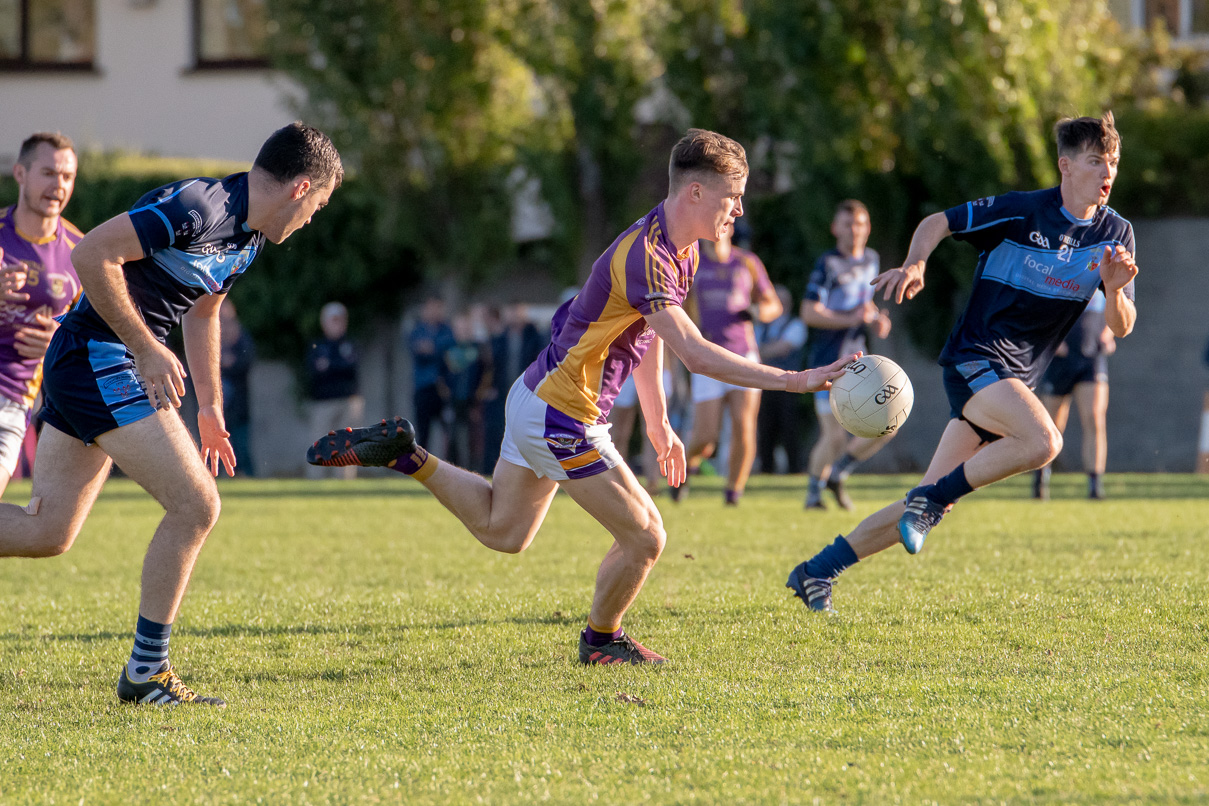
(302, 186)
(1064, 165)
(18, 172)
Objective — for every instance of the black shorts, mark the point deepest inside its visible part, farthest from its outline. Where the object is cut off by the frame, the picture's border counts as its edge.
(1067, 372)
(963, 381)
(90, 386)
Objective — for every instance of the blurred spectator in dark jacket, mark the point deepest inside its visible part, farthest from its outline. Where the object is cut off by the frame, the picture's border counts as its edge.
(462, 375)
(331, 383)
(427, 342)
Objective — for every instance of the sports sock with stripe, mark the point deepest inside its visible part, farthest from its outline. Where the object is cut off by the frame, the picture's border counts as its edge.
(842, 468)
(150, 653)
(595, 638)
(418, 464)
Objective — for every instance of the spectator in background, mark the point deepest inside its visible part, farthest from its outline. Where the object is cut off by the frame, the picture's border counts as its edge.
(427, 342)
(780, 343)
(331, 382)
(462, 373)
(515, 344)
(238, 354)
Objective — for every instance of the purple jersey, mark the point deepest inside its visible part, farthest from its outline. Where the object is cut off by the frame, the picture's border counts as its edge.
(599, 336)
(52, 286)
(723, 292)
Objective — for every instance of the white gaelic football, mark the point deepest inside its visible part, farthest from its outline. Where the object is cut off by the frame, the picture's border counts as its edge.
(873, 397)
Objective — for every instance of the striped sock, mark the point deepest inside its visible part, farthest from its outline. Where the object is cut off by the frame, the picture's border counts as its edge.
(150, 654)
(599, 638)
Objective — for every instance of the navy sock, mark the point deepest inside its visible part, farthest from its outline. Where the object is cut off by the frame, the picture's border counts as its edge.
(953, 486)
(831, 561)
(601, 638)
(150, 654)
(841, 469)
(815, 486)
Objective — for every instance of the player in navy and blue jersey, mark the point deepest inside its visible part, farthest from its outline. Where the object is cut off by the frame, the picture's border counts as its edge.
(112, 386)
(839, 309)
(1042, 255)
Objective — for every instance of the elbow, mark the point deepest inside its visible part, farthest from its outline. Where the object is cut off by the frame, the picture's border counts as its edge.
(694, 362)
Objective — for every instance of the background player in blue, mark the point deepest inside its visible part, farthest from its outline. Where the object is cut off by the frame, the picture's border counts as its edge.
(1080, 371)
(1041, 257)
(112, 387)
(838, 308)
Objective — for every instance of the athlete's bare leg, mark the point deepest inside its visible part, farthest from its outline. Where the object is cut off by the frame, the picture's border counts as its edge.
(1058, 408)
(879, 531)
(621, 505)
(1091, 399)
(828, 447)
(1030, 440)
(707, 424)
(503, 514)
(862, 448)
(158, 453)
(68, 476)
(744, 406)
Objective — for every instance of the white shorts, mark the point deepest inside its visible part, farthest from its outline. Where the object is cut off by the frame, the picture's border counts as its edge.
(550, 443)
(14, 420)
(707, 388)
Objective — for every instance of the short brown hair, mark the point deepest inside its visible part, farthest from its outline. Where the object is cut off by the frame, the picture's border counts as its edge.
(57, 140)
(852, 206)
(704, 152)
(301, 150)
(1076, 135)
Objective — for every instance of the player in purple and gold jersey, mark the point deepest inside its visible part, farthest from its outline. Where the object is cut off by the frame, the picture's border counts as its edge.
(732, 289)
(39, 282)
(557, 432)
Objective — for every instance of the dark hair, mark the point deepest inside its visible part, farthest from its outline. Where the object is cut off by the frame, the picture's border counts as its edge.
(704, 152)
(851, 206)
(301, 150)
(57, 140)
(1076, 135)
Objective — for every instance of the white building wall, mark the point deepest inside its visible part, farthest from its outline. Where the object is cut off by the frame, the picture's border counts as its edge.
(145, 95)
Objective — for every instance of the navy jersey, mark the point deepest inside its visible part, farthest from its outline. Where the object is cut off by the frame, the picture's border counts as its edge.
(1038, 266)
(841, 283)
(195, 240)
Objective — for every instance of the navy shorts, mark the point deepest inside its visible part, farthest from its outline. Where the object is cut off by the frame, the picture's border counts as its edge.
(1067, 372)
(963, 381)
(90, 386)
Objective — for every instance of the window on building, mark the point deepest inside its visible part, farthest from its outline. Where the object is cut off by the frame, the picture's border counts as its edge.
(47, 34)
(230, 33)
(1183, 19)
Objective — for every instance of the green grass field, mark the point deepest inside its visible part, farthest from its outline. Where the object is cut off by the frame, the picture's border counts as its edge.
(373, 652)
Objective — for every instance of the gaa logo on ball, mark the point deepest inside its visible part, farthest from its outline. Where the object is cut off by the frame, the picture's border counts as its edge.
(873, 397)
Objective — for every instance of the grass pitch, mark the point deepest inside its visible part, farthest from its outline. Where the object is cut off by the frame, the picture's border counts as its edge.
(372, 652)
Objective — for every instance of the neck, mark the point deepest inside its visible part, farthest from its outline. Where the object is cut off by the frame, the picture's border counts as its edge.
(261, 199)
(853, 252)
(680, 230)
(33, 225)
(1079, 208)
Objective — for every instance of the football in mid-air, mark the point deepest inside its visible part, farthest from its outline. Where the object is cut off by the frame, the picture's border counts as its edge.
(873, 397)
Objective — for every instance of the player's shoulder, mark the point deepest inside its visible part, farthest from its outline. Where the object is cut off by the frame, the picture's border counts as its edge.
(1114, 219)
(73, 232)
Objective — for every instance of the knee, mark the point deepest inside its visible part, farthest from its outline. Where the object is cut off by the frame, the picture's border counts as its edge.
(202, 510)
(651, 538)
(48, 539)
(1046, 446)
(511, 542)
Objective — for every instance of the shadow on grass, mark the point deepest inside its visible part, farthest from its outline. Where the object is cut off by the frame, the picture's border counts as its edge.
(1065, 486)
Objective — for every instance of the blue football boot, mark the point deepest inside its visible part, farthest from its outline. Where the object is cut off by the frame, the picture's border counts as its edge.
(815, 592)
(921, 516)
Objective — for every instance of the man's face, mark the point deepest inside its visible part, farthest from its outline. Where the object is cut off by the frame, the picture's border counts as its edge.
(721, 200)
(46, 183)
(1091, 174)
(306, 200)
(851, 231)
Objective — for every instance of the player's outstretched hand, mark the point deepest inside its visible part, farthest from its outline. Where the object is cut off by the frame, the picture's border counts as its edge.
(12, 280)
(670, 452)
(163, 374)
(906, 281)
(1117, 268)
(215, 440)
(31, 341)
(819, 378)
